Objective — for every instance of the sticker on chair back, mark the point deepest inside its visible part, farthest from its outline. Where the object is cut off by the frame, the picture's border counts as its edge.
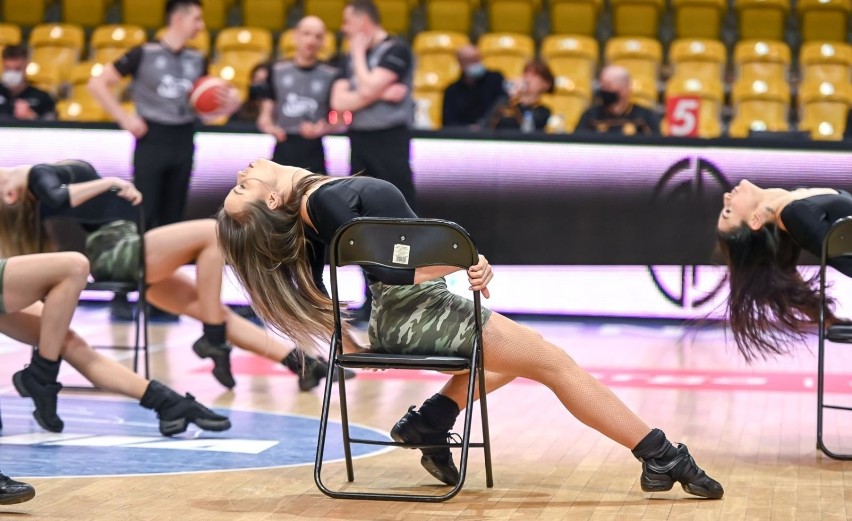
(400, 253)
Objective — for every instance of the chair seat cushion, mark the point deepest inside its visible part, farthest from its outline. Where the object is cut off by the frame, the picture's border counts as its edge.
(840, 333)
(395, 361)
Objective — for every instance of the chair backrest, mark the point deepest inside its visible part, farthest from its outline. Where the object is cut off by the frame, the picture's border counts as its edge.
(698, 58)
(822, 109)
(762, 59)
(109, 42)
(838, 240)
(201, 41)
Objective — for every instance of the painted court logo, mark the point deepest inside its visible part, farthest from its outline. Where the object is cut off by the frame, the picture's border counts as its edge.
(111, 437)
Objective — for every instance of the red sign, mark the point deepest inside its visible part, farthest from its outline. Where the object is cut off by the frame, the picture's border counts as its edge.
(682, 115)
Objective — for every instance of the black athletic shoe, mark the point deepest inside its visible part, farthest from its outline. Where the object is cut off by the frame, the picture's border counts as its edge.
(221, 356)
(659, 476)
(44, 397)
(12, 492)
(318, 370)
(438, 462)
(176, 418)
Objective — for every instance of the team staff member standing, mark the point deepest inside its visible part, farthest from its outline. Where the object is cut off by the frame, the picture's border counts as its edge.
(295, 110)
(163, 74)
(375, 85)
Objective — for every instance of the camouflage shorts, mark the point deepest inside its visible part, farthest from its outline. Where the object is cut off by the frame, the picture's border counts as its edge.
(113, 252)
(422, 319)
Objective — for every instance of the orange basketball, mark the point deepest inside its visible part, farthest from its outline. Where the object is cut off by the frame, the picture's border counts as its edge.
(205, 95)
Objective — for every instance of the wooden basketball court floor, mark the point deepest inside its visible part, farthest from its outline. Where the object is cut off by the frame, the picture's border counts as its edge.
(752, 428)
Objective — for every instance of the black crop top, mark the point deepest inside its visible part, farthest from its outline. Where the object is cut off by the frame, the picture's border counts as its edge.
(337, 202)
(49, 185)
(808, 221)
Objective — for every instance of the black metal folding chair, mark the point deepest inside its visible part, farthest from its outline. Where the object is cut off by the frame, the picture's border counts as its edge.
(402, 243)
(73, 239)
(837, 243)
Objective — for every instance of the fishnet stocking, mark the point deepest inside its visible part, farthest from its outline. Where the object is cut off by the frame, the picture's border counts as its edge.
(513, 350)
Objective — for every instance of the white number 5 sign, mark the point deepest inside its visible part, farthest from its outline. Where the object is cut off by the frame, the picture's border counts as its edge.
(682, 115)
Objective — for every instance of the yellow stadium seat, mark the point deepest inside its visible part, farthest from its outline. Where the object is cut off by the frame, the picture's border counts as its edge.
(435, 52)
(506, 53)
(762, 59)
(150, 14)
(74, 110)
(512, 16)
(450, 15)
(698, 58)
(88, 13)
(23, 12)
(642, 58)
(826, 61)
(711, 97)
(215, 14)
(9, 35)
(330, 11)
(239, 76)
(265, 14)
(566, 106)
(200, 43)
(578, 17)
(287, 46)
(396, 15)
(45, 76)
(428, 94)
(57, 44)
(824, 20)
(573, 60)
(109, 42)
(699, 18)
(823, 108)
(243, 47)
(761, 19)
(759, 105)
(636, 17)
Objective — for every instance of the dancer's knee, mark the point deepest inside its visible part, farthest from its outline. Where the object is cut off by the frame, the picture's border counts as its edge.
(76, 267)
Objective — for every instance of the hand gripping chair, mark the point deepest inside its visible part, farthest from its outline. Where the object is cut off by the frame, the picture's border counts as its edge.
(402, 243)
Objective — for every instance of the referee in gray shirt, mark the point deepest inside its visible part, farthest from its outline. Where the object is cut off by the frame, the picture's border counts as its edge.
(163, 74)
(296, 101)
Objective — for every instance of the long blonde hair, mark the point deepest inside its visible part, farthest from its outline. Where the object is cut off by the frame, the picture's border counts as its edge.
(267, 250)
(18, 232)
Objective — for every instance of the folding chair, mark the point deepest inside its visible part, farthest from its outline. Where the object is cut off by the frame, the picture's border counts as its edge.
(402, 243)
(837, 243)
(71, 232)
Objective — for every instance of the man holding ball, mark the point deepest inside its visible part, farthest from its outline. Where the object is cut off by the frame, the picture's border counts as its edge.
(163, 74)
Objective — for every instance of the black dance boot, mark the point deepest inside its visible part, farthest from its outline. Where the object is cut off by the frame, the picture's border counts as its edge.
(310, 370)
(12, 492)
(176, 412)
(214, 346)
(663, 465)
(38, 381)
(431, 426)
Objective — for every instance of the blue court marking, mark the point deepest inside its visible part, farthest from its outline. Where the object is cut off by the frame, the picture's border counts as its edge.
(114, 438)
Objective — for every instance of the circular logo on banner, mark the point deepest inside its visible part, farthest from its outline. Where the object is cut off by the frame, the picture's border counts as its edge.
(113, 438)
(687, 180)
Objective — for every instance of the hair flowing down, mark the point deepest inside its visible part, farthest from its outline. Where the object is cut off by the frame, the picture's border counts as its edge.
(770, 305)
(18, 233)
(267, 250)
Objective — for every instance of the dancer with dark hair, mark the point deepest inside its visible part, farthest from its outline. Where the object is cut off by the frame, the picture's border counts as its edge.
(266, 228)
(74, 189)
(761, 232)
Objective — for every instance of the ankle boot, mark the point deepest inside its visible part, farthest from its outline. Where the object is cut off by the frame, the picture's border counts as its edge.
(176, 412)
(663, 465)
(38, 381)
(310, 370)
(431, 426)
(220, 353)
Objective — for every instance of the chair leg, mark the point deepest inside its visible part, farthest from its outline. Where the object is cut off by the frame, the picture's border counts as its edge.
(323, 429)
(486, 436)
(344, 422)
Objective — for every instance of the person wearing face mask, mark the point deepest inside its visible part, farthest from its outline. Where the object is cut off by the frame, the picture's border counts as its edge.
(294, 102)
(468, 99)
(523, 110)
(613, 112)
(250, 109)
(18, 99)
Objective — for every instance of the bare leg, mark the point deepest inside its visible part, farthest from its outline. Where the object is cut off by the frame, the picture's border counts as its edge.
(58, 278)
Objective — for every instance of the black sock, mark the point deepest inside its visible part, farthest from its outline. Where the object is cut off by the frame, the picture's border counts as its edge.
(158, 396)
(43, 370)
(294, 361)
(654, 446)
(440, 412)
(214, 333)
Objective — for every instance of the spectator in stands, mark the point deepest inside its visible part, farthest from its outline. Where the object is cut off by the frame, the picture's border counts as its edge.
(467, 100)
(250, 109)
(523, 109)
(19, 99)
(613, 112)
